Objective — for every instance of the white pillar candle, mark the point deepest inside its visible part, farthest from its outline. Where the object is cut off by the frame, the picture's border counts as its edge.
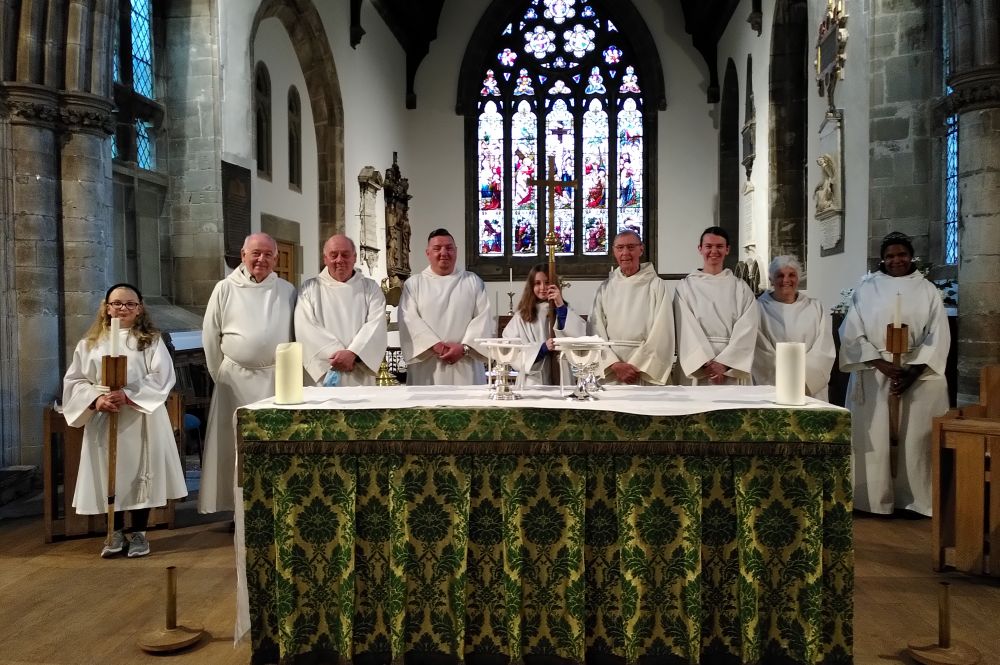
(288, 373)
(113, 336)
(510, 278)
(790, 373)
(897, 316)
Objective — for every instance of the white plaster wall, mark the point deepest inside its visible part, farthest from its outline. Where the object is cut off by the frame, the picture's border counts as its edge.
(372, 84)
(687, 149)
(273, 47)
(830, 274)
(373, 88)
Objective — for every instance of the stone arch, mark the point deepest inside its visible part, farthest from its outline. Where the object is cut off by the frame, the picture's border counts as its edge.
(788, 86)
(305, 28)
(729, 161)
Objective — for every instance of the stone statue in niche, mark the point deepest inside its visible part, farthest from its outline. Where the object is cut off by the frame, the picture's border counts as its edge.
(826, 192)
(397, 222)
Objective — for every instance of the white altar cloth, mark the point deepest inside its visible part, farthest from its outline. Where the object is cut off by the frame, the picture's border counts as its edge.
(640, 400)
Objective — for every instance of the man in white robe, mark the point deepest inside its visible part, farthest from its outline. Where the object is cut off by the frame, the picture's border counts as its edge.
(249, 313)
(340, 319)
(920, 382)
(717, 318)
(632, 311)
(786, 315)
(442, 311)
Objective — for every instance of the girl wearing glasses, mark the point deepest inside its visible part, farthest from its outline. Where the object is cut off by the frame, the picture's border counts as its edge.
(148, 470)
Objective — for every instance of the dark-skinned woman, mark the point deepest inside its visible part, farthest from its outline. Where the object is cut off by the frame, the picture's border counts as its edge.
(896, 287)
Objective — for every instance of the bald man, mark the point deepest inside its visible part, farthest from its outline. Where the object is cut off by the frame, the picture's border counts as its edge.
(248, 315)
(340, 319)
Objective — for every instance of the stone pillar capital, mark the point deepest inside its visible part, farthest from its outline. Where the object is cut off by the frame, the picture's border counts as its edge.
(973, 89)
(84, 112)
(30, 104)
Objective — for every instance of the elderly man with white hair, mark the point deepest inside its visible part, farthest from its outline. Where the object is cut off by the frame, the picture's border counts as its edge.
(789, 316)
(249, 313)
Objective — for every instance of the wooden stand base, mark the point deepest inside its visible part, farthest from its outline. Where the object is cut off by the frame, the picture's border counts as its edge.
(172, 637)
(957, 653)
(945, 651)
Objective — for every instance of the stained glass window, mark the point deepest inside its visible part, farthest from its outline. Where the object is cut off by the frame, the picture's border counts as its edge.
(135, 82)
(262, 120)
(145, 146)
(142, 47)
(559, 85)
(951, 211)
(294, 139)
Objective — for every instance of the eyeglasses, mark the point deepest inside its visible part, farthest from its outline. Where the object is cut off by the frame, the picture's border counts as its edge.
(117, 304)
(629, 247)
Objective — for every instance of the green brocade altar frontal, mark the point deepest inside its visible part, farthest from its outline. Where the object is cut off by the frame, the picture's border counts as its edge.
(517, 534)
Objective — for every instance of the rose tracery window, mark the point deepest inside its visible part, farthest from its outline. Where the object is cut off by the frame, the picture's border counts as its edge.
(557, 81)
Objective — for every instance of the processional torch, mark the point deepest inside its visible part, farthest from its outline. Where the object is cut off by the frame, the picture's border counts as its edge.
(897, 342)
(113, 370)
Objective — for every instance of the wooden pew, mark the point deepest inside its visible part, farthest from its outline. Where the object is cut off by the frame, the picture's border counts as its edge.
(61, 461)
(965, 453)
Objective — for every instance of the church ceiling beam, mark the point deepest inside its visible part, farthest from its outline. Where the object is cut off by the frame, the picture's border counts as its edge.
(414, 25)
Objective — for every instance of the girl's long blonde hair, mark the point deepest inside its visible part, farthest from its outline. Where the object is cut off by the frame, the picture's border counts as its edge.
(143, 330)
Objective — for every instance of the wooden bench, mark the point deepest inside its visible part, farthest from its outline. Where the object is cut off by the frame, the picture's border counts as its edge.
(965, 449)
(61, 462)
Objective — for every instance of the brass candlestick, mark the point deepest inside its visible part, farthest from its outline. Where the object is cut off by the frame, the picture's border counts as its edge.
(945, 651)
(510, 296)
(897, 342)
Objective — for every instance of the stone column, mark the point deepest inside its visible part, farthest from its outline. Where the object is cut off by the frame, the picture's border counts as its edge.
(976, 98)
(87, 230)
(9, 414)
(35, 200)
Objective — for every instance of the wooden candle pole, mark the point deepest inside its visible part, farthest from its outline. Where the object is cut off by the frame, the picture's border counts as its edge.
(552, 240)
(113, 369)
(897, 342)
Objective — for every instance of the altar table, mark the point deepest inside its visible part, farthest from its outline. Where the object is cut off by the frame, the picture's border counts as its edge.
(657, 525)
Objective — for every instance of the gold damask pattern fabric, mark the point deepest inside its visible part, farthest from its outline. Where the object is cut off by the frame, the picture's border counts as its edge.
(680, 558)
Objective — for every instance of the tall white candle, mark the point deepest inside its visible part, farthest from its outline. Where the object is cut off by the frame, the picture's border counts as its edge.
(790, 373)
(116, 327)
(510, 278)
(897, 316)
(288, 373)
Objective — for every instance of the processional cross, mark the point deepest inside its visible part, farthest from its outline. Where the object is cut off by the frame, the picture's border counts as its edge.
(551, 239)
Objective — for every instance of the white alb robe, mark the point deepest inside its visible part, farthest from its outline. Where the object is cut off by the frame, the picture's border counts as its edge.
(244, 322)
(636, 312)
(537, 333)
(862, 336)
(331, 316)
(444, 308)
(801, 321)
(146, 448)
(717, 319)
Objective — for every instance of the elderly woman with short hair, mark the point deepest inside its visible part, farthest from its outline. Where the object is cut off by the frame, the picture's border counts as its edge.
(789, 316)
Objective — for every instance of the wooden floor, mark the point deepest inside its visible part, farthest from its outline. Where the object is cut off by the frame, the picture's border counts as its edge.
(61, 604)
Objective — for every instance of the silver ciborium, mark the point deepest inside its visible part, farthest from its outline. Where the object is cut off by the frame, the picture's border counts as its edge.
(503, 354)
(584, 359)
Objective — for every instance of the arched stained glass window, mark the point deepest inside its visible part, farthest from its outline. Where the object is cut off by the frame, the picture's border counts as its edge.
(294, 139)
(262, 120)
(570, 84)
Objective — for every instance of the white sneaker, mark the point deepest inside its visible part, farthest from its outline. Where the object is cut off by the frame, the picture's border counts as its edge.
(138, 545)
(113, 546)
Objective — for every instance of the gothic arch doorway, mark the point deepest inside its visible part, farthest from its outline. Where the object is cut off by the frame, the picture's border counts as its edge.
(305, 28)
